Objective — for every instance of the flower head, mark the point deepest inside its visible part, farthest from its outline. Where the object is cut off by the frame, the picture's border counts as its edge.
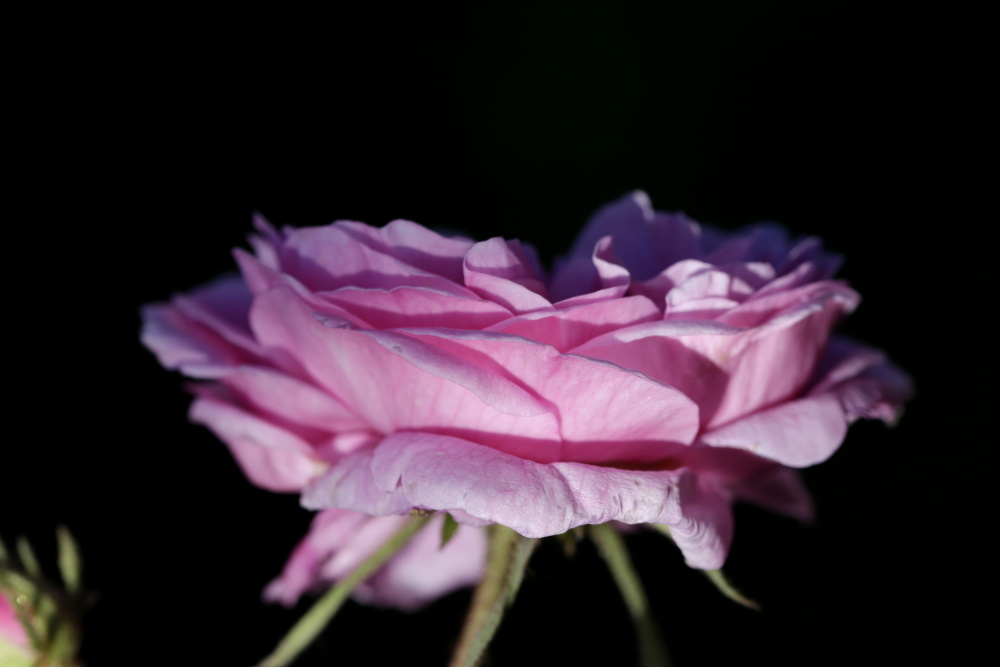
(662, 372)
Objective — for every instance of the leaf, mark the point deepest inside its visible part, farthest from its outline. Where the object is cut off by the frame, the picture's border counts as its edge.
(448, 529)
(727, 589)
(69, 560)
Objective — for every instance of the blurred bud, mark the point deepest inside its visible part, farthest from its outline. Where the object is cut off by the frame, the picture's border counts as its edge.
(38, 620)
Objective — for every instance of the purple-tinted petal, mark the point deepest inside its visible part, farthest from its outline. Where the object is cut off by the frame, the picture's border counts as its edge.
(867, 384)
(647, 240)
(204, 333)
(583, 281)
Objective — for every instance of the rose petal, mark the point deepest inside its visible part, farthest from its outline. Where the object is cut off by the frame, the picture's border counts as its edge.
(422, 571)
(340, 255)
(799, 433)
(290, 400)
(394, 382)
(204, 333)
(645, 239)
(567, 328)
(606, 413)
(417, 306)
(534, 499)
(271, 457)
(500, 271)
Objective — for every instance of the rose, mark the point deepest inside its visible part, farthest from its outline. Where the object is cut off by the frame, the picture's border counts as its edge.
(663, 372)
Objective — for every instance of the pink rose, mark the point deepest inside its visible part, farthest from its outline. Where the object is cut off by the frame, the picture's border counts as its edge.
(662, 372)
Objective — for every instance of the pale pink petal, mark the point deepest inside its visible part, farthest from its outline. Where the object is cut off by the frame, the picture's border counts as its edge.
(349, 484)
(535, 499)
(606, 413)
(567, 328)
(261, 278)
(290, 401)
(774, 362)
(417, 306)
(416, 245)
(857, 382)
(664, 351)
(339, 541)
(326, 258)
(394, 382)
(500, 271)
(271, 457)
(798, 433)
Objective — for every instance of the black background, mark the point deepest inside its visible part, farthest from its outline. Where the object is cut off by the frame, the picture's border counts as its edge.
(144, 137)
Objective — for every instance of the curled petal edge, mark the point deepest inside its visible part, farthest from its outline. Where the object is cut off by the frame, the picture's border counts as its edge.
(429, 471)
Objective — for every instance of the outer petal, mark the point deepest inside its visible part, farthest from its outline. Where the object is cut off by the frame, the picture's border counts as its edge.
(203, 333)
(537, 500)
(270, 456)
(421, 572)
(857, 382)
(342, 254)
(866, 382)
(393, 382)
(731, 371)
(800, 433)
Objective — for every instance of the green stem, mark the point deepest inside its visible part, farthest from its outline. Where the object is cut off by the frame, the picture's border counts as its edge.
(508, 558)
(313, 622)
(652, 650)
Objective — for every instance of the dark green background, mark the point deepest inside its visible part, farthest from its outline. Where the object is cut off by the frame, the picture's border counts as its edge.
(145, 136)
